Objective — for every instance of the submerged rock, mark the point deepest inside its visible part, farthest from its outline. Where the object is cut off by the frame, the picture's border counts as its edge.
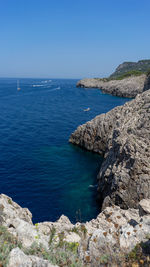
(127, 87)
(123, 136)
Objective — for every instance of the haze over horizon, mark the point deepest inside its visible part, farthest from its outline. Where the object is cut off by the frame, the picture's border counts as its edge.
(66, 39)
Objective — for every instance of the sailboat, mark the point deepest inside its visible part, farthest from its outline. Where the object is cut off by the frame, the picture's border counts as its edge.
(18, 88)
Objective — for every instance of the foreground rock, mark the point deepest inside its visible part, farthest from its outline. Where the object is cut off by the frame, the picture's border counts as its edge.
(144, 207)
(113, 233)
(127, 87)
(123, 137)
(18, 259)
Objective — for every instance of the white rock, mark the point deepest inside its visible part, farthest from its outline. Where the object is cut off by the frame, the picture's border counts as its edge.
(18, 259)
(144, 207)
(113, 230)
(12, 210)
(72, 237)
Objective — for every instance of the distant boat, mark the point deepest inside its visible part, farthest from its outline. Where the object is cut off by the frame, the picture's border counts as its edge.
(87, 109)
(18, 87)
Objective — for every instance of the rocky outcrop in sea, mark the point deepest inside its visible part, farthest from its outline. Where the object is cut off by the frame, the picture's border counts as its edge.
(127, 87)
(122, 136)
(107, 240)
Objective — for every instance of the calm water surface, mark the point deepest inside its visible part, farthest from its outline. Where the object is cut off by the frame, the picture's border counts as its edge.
(39, 169)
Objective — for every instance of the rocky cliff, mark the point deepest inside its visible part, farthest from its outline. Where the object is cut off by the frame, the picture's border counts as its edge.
(147, 82)
(123, 137)
(108, 240)
(141, 65)
(127, 87)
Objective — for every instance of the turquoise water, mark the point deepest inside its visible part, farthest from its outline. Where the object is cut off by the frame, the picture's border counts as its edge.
(39, 169)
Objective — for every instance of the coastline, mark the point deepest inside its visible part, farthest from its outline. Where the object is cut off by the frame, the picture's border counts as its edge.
(122, 136)
(127, 87)
(115, 233)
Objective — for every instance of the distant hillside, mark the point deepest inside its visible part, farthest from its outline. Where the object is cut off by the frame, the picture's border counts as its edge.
(140, 66)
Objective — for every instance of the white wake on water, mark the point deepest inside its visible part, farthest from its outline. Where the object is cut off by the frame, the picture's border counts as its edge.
(37, 85)
(46, 81)
(93, 186)
(58, 88)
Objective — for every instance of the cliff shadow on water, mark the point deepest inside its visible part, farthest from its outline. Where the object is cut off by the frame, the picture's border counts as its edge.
(93, 163)
(87, 185)
(68, 183)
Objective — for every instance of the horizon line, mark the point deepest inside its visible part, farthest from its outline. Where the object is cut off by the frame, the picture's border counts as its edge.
(40, 78)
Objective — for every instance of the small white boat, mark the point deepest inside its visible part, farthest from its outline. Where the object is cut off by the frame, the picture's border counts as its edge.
(18, 87)
(87, 109)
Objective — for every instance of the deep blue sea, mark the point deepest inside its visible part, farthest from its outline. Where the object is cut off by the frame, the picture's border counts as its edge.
(39, 169)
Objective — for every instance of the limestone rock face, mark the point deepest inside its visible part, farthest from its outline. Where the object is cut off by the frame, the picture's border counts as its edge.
(18, 221)
(11, 210)
(147, 83)
(123, 136)
(94, 134)
(144, 207)
(128, 87)
(18, 259)
(113, 231)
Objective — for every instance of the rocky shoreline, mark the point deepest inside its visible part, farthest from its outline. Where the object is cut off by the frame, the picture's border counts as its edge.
(120, 235)
(127, 87)
(122, 136)
(107, 240)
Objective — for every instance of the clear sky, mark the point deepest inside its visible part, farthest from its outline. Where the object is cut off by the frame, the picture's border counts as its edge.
(71, 38)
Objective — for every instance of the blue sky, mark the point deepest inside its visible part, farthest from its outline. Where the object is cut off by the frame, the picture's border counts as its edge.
(71, 39)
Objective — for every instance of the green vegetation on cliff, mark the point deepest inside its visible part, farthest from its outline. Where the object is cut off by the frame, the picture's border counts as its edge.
(122, 76)
(128, 74)
(67, 255)
(141, 66)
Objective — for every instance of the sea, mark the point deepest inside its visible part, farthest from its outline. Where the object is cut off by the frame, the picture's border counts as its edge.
(39, 168)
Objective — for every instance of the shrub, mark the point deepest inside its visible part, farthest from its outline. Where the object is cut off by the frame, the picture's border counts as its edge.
(7, 243)
(65, 255)
(129, 74)
(53, 231)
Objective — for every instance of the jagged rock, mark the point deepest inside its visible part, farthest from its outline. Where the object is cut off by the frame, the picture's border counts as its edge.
(144, 207)
(11, 210)
(18, 259)
(72, 237)
(127, 87)
(124, 135)
(114, 231)
(19, 222)
(94, 134)
(62, 224)
(147, 83)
